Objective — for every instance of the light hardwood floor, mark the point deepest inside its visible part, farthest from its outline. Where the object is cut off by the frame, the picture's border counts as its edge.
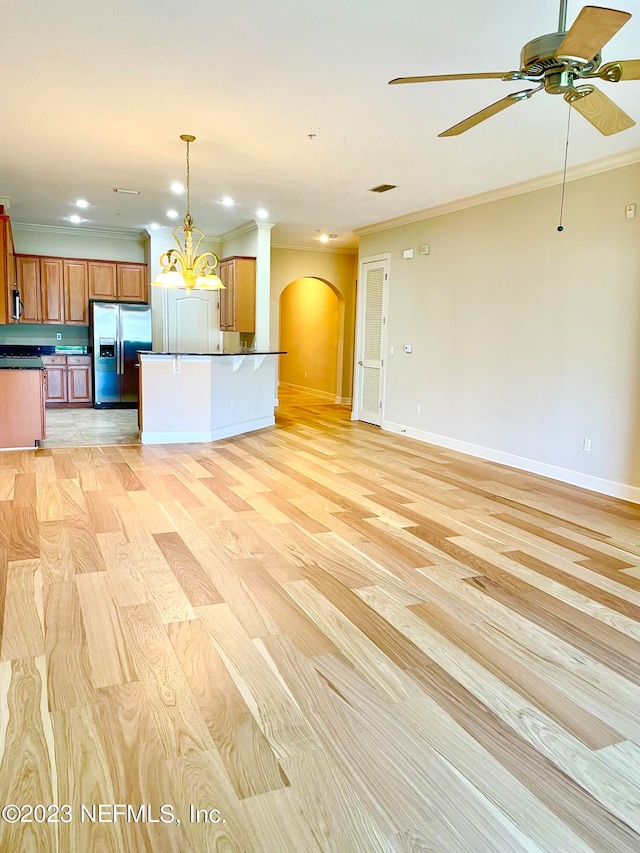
(340, 639)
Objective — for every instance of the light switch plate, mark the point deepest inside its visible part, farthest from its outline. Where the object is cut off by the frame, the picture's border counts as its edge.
(407, 254)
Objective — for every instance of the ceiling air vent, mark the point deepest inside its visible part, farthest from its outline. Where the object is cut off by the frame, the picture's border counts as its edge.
(382, 188)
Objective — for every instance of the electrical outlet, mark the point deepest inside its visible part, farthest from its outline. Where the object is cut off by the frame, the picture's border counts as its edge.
(305, 374)
(586, 445)
(58, 336)
(418, 409)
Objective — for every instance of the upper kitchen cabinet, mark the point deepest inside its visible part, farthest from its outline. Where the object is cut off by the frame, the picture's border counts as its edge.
(28, 278)
(114, 281)
(103, 280)
(132, 282)
(7, 266)
(76, 292)
(52, 290)
(238, 300)
(49, 291)
(58, 290)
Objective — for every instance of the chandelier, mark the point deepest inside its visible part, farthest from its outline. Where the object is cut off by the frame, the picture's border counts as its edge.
(184, 267)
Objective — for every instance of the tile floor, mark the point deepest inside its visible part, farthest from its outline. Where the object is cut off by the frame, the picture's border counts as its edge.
(86, 427)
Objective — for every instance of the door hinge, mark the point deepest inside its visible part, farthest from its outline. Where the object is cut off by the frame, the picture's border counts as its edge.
(380, 404)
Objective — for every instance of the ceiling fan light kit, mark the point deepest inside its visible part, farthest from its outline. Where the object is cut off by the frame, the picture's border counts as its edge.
(556, 62)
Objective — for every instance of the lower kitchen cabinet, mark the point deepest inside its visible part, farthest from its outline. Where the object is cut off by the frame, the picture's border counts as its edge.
(68, 380)
(79, 379)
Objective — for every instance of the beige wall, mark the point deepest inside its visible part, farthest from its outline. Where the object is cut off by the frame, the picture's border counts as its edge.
(30, 240)
(525, 340)
(309, 332)
(339, 270)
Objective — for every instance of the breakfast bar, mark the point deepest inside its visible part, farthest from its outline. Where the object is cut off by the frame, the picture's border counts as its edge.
(188, 397)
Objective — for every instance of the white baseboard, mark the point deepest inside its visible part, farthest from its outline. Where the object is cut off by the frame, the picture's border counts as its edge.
(566, 475)
(324, 395)
(343, 401)
(205, 435)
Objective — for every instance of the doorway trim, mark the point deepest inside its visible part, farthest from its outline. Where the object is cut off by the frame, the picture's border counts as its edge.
(383, 258)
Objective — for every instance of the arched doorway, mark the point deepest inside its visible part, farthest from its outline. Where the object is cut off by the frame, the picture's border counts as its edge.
(311, 316)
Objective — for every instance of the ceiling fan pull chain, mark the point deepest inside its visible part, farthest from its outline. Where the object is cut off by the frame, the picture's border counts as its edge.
(564, 174)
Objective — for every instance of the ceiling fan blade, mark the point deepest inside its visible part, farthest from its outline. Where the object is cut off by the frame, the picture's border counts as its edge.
(590, 31)
(603, 114)
(615, 71)
(489, 111)
(437, 78)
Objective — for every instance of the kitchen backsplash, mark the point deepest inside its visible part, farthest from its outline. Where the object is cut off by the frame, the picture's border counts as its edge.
(25, 334)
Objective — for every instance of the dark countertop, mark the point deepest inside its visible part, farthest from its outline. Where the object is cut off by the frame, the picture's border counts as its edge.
(26, 349)
(9, 363)
(216, 354)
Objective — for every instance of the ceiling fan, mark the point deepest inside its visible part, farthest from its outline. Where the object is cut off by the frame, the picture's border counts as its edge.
(557, 62)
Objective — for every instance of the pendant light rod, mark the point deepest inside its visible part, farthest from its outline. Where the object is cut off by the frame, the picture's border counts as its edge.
(562, 19)
(188, 138)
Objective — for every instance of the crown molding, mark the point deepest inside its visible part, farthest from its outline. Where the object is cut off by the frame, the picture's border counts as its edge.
(136, 236)
(574, 173)
(239, 231)
(301, 247)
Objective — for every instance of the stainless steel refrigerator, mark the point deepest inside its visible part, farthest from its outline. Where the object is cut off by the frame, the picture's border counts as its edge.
(118, 331)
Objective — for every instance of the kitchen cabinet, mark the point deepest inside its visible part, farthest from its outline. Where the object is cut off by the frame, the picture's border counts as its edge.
(132, 282)
(7, 267)
(116, 281)
(103, 280)
(79, 379)
(56, 368)
(28, 280)
(58, 290)
(238, 300)
(68, 379)
(51, 290)
(76, 292)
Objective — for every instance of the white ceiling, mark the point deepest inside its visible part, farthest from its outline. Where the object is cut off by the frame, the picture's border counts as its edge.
(95, 96)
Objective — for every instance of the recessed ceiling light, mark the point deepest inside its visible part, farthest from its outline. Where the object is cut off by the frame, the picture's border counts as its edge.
(82, 203)
(228, 201)
(75, 218)
(154, 226)
(261, 213)
(172, 214)
(324, 238)
(177, 187)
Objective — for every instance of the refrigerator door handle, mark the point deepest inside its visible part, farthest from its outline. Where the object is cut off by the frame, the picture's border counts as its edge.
(120, 352)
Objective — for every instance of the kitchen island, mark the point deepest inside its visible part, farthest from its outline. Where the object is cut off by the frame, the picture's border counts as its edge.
(187, 397)
(22, 396)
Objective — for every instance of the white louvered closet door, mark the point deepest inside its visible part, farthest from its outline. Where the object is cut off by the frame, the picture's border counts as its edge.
(371, 343)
